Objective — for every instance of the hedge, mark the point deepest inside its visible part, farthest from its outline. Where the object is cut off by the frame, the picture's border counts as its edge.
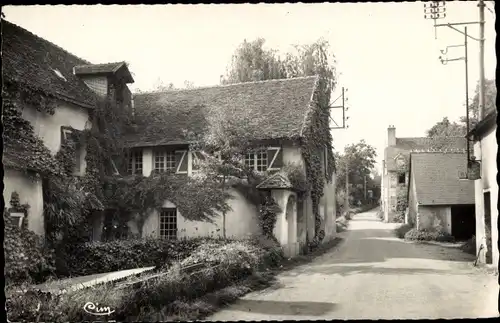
(428, 235)
(100, 257)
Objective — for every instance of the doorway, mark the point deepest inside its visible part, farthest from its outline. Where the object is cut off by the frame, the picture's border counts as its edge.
(463, 222)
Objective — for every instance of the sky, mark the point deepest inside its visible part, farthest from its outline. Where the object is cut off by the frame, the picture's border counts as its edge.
(386, 53)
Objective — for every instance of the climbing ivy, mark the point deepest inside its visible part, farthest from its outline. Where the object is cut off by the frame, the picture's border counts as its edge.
(30, 95)
(316, 138)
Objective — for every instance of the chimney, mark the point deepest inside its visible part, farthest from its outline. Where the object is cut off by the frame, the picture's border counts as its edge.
(391, 136)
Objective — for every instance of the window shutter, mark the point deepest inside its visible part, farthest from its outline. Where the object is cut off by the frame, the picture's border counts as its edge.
(181, 161)
(196, 158)
(275, 154)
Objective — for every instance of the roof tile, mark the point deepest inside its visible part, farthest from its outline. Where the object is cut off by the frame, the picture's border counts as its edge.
(266, 109)
(437, 181)
(33, 61)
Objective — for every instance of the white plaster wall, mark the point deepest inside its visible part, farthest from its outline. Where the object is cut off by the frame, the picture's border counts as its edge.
(30, 192)
(241, 222)
(147, 161)
(48, 127)
(486, 151)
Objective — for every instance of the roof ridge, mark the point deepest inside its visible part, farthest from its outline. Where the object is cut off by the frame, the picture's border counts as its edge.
(47, 41)
(439, 137)
(110, 63)
(227, 85)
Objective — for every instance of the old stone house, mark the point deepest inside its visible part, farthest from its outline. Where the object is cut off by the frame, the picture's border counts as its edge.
(35, 66)
(395, 173)
(437, 198)
(486, 188)
(277, 108)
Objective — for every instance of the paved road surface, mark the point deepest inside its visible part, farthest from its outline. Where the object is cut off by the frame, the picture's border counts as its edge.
(374, 275)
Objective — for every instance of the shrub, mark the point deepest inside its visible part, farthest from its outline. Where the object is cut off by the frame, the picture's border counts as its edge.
(228, 262)
(401, 230)
(100, 257)
(399, 218)
(428, 235)
(469, 246)
(27, 259)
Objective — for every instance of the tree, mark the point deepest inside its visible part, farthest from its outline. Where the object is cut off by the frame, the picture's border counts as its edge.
(251, 62)
(222, 149)
(490, 97)
(359, 159)
(445, 128)
(449, 129)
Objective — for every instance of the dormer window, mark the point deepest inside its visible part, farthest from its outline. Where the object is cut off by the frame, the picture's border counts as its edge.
(59, 74)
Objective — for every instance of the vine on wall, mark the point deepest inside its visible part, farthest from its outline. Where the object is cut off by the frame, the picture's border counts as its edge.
(317, 137)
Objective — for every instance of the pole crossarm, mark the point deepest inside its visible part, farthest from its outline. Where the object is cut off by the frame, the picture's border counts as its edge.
(457, 23)
(451, 26)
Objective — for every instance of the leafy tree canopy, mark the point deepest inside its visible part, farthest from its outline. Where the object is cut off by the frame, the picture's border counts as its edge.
(450, 129)
(359, 159)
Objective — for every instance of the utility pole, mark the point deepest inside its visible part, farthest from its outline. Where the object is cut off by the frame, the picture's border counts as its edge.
(481, 6)
(365, 188)
(344, 108)
(347, 185)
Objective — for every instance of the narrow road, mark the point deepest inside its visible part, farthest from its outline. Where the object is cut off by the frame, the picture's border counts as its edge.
(373, 275)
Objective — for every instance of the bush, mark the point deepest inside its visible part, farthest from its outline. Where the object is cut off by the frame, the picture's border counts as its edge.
(401, 231)
(428, 235)
(27, 259)
(399, 218)
(100, 257)
(469, 246)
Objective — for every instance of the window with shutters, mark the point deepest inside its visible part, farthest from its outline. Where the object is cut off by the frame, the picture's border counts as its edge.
(135, 162)
(164, 160)
(168, 223)
(257, 160)
(265, 159)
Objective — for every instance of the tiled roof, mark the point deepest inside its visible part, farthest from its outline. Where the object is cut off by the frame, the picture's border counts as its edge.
(33, 61)
(405, 146)
(437, 178)
(438, 143)
(266, 109)
(277, 180)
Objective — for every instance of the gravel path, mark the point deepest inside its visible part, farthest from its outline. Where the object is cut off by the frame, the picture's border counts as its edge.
(374, 275)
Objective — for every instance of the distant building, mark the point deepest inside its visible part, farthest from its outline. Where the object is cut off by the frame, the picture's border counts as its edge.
(437, 198)
(395, 164)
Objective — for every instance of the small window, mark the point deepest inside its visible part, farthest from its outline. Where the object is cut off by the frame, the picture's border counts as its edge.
(17, 218)
(70, 134)
(164, 161)
(257, 160)
(135, 162)
(401, 178)
(168, 223)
